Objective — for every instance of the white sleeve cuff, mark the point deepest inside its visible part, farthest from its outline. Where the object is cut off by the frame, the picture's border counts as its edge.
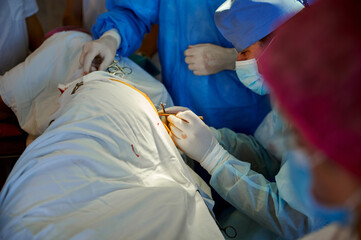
(30, 8)
(215, 158)
(115, 34)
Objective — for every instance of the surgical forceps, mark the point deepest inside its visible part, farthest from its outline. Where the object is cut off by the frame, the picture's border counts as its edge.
(165, 114)
(115, 69)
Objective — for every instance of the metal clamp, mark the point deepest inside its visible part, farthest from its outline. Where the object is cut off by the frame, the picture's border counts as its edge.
(115, 69)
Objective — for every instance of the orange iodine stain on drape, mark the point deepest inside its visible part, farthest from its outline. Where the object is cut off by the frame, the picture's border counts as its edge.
(148, 99)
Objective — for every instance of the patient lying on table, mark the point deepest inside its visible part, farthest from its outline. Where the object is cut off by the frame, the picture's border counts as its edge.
(103, 166)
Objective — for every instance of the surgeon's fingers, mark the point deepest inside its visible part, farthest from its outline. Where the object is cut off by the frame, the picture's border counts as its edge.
(106, 62)
(176, 109)
(177, 122)
(174, 120)
(88, 59)
(188, 116)
(93, 69)
(176, 132)
(200, 73)
(189, 60)
(188, 52)
(85, 50)
(192, 67)
(82, 55)
(192, 51)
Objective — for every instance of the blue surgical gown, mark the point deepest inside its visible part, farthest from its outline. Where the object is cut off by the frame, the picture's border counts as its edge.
(257, 185)
(221, 98)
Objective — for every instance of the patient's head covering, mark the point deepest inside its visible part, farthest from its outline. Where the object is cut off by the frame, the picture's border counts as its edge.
(313, 69)
(244, 22)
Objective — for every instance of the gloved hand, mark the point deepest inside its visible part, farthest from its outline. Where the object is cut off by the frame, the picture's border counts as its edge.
(174, 109)
(170, 110)
(196, 140)
(206, 59)
(99, 54)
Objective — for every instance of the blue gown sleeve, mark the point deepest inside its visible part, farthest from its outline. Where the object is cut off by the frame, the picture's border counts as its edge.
(250, 192)
(132, 19)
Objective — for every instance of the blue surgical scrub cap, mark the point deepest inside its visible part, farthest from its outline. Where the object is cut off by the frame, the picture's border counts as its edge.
(244, 22)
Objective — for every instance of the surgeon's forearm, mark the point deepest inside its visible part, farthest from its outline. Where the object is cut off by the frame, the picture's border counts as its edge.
(232, 54)
(248, 149)
(131, 18)
(35, 32)
(258, 198)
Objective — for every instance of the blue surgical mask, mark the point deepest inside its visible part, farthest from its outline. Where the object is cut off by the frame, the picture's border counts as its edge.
(301, 179)
(247, 72)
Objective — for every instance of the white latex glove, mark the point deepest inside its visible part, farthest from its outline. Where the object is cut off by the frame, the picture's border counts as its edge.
(175, 109)
(171, 110)
(206, 59)
(99, 54)
(196, 140)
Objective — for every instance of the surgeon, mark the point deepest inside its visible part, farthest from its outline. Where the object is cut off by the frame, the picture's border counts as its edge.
(253, 177)
(319, 93)
(251, 34)
(188, 39)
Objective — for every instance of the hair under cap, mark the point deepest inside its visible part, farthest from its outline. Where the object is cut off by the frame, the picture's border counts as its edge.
(244, 22)
(313, 69)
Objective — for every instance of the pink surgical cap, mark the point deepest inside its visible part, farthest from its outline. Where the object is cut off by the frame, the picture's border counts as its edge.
(313, 69)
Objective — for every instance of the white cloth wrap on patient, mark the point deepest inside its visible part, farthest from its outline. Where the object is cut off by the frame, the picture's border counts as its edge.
(105, 168)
